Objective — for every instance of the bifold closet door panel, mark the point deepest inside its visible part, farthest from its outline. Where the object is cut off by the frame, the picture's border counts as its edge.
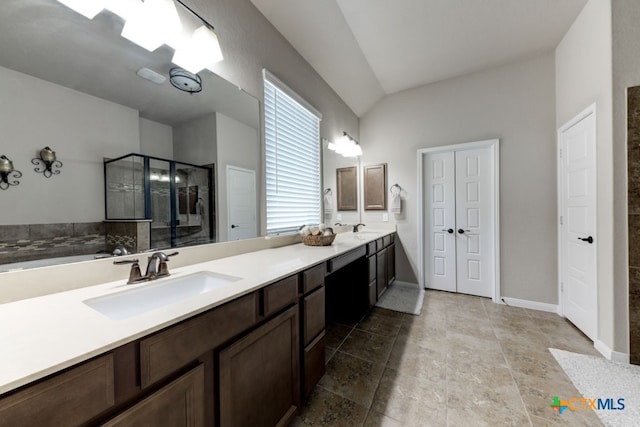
(474, 205)
(440, 209)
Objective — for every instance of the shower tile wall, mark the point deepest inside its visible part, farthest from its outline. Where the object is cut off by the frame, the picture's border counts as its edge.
(28, 242)
(633, 170)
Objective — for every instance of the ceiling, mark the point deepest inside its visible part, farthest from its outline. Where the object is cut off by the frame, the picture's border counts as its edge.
(366, 49)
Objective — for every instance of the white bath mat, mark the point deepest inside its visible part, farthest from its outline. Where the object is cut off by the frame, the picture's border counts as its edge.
(601, 379)
(403, 297)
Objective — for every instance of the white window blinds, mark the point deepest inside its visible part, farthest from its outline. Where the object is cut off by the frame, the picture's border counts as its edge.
(292, 139)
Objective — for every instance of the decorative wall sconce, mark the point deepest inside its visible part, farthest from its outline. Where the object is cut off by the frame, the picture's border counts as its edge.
(47, 162)
(8, 175)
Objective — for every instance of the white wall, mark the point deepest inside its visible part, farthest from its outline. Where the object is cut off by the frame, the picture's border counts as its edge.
(584, 76)
(239, 145)
(514, 103)
(81, 129)
(156, 139)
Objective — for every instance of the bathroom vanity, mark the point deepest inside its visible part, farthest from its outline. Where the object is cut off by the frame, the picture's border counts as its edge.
(247, 352)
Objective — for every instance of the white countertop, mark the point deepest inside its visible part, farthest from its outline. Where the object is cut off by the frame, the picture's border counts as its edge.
(40, 336)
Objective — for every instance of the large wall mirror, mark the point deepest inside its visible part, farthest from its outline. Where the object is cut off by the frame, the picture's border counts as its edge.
(73, 84)
(333, 162)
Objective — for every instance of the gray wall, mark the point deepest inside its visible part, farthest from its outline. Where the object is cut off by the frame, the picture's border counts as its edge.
(514, 103)
(584, 76)
(626, 72)
(238, 146)
(82, 129)
(156, 139)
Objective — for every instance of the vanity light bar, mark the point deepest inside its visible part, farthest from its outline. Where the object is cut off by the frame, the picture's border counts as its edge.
(152, 23)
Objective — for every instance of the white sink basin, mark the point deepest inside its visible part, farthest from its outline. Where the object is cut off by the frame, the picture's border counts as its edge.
(133, 302)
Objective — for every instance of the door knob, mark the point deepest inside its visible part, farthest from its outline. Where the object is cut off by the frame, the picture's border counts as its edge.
(461, 231)
(234, 226)
(586, 239)
(450, 230)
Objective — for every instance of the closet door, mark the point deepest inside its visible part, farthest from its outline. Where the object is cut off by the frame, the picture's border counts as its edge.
(459, 231)
(474, 222)
(440, 208)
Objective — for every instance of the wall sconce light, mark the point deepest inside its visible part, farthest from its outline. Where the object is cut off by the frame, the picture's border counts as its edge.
(47, 162)
(346, 145)
(8, 175)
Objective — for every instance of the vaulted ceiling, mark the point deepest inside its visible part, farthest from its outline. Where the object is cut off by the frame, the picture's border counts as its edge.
(366, 49)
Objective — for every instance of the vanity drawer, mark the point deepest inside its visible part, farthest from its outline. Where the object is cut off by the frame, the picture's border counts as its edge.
(379, 244)
(386, 240)
(342, 260)
(175, 347)
(313, 364)
(313, 315)
(70, 398)
(313, 278)
(372, 248)
(280, 294)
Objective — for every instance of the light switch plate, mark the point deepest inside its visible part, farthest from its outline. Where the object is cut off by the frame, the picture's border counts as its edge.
(339, 217)
(385, 217)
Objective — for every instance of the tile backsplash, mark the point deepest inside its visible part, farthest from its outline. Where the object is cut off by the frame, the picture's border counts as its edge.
(28, 242)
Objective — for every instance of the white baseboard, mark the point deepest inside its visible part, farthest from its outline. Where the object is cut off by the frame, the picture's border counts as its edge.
(614, 356)
(532, 305)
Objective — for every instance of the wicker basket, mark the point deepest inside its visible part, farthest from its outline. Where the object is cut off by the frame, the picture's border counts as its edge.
(318, 240)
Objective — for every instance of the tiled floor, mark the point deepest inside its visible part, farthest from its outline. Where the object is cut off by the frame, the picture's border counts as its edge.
(464, 361)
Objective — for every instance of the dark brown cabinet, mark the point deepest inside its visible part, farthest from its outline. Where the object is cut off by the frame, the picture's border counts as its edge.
(181, 403)
(259, 375)
(391, 263)
(381, 277)
(313, 324)
(69, 398)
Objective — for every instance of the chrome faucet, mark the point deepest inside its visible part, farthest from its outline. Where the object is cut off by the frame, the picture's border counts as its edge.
(356, 229)
(156, 267)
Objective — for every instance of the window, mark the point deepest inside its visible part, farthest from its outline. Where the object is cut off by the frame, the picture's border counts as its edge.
(292, 139)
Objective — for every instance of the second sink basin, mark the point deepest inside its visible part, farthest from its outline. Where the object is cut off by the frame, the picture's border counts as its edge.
(154, 295)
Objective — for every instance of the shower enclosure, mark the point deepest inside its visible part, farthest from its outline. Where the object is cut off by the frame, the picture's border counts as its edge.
(174, 199)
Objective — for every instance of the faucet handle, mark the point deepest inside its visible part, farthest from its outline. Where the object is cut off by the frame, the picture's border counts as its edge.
(163, 269)
(135, 275)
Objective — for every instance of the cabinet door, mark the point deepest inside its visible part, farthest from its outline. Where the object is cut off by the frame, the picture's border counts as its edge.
(180, 403)
(314, 364)
(313, 315)
(382, 272)
(260, 375)
(70, 398)
(391, 263)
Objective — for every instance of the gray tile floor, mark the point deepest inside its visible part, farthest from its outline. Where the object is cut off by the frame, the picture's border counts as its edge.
(464, 361)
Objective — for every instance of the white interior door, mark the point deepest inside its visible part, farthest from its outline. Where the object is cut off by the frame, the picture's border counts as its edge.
(241, 202)
(440, 211)
(474, 249)
(459, 221)
(578, 242)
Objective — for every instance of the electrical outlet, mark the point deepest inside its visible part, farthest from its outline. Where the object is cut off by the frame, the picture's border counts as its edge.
(339, 217)
(385, 217)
